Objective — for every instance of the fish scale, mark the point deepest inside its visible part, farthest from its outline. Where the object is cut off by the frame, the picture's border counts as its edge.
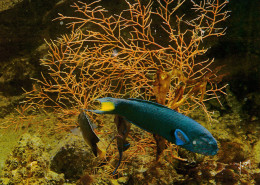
(159, 119)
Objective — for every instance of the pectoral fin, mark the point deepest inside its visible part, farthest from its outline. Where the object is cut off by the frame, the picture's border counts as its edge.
(181, 137)
(126, 145)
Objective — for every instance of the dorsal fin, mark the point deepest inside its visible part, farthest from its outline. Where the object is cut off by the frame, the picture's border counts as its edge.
(150, 102)
(92, 125)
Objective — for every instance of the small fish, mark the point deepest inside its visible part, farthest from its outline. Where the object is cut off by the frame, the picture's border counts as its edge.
(114, 53)
(86, 127)
(123, 128)
(161, 120)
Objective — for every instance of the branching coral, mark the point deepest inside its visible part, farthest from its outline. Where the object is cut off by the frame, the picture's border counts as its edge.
(119, 55)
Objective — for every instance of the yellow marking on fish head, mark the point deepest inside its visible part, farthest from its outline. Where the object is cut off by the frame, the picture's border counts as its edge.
(107, 106)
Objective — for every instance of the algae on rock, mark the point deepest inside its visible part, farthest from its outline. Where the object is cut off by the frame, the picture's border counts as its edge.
(71, 157)
(29, 163)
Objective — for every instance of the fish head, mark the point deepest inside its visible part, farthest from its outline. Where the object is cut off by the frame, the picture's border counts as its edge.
(204, 144)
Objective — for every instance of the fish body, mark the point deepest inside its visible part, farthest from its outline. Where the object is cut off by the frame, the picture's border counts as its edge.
(86, 127)
(123, 128)
(161, 120)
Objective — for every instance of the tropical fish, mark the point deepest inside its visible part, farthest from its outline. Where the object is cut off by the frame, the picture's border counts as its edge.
(86, 127)
(114, 53)
(123, 128)
(161, 120)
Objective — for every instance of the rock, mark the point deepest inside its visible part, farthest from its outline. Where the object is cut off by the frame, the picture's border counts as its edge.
(256, 151)
(236, 152)
(8, 4)
(29, 163)
(71, 157)
(257, 178)
(227, 176)
(24, 26)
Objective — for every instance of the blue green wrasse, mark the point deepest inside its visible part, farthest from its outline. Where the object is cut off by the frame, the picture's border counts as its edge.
(161, 120)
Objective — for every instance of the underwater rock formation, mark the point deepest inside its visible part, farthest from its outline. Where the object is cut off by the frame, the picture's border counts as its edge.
(161, 172)
(8, 4)
(71, 157)
(29, 163)
(24, 25)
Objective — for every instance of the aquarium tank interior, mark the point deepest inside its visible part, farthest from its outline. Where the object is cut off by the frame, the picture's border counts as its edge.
(130, 92)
